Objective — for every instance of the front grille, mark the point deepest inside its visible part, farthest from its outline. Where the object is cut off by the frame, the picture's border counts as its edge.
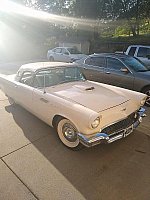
(123, 124)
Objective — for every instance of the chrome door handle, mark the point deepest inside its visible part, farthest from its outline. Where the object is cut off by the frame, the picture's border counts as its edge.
(107, 72)
(44, 100)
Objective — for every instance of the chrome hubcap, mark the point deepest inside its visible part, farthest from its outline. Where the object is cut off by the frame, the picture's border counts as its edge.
(69, 132)
(148, 98)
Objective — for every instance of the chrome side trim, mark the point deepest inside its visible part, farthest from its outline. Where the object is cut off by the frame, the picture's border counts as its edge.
(105, 138)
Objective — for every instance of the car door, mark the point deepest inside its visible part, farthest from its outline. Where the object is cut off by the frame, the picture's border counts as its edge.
(57, 53)
(142, 54)
(93, 68)
(66, 55)
(44, 102)
(24, 90)
(118, 74)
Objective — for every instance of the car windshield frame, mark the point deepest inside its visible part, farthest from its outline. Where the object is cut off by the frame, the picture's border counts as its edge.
(136, 65)
(56, 80)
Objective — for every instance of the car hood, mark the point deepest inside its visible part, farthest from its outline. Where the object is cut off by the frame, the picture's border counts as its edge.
(89, 94)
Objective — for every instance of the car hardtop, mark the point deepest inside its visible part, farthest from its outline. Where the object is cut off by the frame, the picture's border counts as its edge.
(59, 48)
(44, 65)
(112, 55)
(64, 48)
(145, 46)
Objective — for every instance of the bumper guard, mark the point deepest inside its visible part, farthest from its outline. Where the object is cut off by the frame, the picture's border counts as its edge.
(105, 138)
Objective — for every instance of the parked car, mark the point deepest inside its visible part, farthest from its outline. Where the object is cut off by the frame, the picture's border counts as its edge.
(119, 70)
(140, 52)
(83, 112)
(64, 54)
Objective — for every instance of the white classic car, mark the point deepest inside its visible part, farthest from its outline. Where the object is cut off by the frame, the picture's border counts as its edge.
(83, 112)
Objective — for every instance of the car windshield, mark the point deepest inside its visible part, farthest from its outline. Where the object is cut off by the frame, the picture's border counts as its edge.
(73, 51)
(51, 77)
(134, 64)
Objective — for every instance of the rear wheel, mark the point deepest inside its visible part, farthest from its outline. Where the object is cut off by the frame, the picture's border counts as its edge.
(11, 100)
(51, 59)
(67, 133)
(147, 91)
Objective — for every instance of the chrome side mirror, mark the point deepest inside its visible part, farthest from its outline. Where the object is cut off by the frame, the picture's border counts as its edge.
(125, 70)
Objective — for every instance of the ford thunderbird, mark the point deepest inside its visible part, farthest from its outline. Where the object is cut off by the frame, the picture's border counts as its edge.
(84, 113)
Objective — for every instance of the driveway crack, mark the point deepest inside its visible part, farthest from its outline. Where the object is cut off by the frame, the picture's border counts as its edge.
(23, 146)
(20, 179)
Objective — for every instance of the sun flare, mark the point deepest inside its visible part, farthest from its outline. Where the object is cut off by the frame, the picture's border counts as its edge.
(11, 7)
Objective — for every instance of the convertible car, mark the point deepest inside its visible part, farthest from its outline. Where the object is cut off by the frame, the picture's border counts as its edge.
(83, 112)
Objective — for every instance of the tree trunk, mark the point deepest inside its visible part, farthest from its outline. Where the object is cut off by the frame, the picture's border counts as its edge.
(137, 17)
(133, 29)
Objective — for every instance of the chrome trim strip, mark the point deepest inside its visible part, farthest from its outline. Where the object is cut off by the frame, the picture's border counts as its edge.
(114, 106)
(105, 138)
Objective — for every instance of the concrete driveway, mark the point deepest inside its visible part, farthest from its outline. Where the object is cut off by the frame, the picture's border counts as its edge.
(34, 164)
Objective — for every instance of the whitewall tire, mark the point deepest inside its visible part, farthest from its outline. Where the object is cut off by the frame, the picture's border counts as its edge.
(67, 133)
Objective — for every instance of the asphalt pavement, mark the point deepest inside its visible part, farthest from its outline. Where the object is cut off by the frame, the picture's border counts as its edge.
(34, 164)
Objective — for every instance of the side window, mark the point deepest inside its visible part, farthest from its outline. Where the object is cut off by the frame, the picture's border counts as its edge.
(132, 51)
(27, 78)
(88, 61)
(99, 61)
(58, 50)
(115, 64)
(96, 61)
(64, 51)
(143, 52)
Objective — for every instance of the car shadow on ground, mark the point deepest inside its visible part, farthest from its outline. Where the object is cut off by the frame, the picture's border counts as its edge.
(116, 170)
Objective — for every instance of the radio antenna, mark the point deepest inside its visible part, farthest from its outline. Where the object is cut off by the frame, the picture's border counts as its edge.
(44, 81)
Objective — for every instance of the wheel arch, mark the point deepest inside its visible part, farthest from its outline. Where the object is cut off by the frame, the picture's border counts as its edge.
(51, 58)
(146, 86)
(58, 117)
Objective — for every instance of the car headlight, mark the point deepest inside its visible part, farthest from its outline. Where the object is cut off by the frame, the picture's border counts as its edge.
(95, 123)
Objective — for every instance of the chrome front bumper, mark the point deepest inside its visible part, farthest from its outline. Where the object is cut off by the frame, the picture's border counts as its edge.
(105, 138)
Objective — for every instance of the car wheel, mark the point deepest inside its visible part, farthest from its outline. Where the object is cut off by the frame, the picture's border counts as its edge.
(147, 91)
(51, 59)
(67, 133)
(11, 101)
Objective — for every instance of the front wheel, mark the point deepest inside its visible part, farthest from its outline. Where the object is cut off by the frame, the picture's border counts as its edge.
(67, 133)
(147, 92)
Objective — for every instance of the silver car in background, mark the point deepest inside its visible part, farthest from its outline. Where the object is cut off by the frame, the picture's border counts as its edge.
(64, 54)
